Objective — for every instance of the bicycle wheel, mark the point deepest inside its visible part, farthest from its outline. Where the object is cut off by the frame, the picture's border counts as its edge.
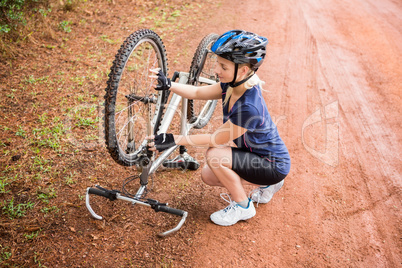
(132, 106)
(202, 73)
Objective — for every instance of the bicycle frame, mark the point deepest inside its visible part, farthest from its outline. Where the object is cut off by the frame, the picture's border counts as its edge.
(185, 127)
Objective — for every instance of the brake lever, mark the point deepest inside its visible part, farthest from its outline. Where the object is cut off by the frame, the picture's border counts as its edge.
(175, 229)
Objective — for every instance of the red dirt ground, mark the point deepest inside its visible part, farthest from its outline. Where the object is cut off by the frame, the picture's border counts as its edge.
(333, 86)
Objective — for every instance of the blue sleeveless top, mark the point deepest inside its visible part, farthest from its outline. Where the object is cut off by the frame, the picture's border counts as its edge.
(250, 112)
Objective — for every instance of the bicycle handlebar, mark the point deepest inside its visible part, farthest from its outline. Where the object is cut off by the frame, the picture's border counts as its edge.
(154, 204)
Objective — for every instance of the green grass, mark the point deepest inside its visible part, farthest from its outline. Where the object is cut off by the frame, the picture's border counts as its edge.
(87, 122)
(32, 80)
(47, 210)
(20, 132)
(5, 253)
(64, 26)
(69, 179)
(108, 40)
(16, 210)
(78, 80)
(32, 235)
(4, 182)
(50, 134)
(41, 164)
(42, 118)
(84, 115)
(46, 195)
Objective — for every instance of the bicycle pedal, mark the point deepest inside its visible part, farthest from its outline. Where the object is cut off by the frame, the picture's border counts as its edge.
(182, 162)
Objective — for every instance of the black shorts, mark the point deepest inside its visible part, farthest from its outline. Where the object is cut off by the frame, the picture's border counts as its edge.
(255, 168)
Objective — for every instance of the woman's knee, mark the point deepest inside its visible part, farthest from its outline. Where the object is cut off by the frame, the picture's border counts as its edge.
(218, 157)
(208, 177)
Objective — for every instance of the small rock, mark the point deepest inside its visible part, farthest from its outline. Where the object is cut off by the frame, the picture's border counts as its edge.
(16, 157)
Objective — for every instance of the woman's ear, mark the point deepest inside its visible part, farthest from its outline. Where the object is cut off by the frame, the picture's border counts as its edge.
(244, 70)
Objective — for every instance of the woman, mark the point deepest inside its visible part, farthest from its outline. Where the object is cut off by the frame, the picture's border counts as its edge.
(260, 156)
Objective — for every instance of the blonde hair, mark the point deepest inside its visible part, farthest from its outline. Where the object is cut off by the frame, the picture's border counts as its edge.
(254, 80)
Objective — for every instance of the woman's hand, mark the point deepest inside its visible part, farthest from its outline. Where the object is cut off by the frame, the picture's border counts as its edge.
(161, 142)
(164, 83)
(151, 143)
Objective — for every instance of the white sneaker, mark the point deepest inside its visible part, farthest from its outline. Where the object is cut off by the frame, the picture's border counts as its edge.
(264, 194)
(233, 213)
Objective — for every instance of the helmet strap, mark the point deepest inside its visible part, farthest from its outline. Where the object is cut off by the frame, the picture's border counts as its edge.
(233, 84)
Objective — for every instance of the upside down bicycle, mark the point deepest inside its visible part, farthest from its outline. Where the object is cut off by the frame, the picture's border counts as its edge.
(134, 110)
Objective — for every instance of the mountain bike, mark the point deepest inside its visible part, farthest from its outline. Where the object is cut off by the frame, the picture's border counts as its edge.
(134, 110)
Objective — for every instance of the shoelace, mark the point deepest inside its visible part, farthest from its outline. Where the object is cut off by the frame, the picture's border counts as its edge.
(257, 191)
(232, 203)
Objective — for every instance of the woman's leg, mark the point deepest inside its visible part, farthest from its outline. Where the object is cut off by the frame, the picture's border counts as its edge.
(218, 172)
(208, 177)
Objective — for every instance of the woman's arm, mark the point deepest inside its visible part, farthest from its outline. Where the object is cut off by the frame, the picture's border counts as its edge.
(225, 133)
(210, 92)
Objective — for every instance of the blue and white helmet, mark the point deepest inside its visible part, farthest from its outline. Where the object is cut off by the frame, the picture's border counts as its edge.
(241, 47)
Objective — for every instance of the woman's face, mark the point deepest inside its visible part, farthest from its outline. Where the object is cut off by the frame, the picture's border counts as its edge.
(225, 70)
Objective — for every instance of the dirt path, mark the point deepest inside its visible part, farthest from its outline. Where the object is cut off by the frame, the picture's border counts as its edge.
(334, 87)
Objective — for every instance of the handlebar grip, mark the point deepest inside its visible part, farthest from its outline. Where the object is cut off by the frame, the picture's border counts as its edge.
(170, 210)
(99, 192)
